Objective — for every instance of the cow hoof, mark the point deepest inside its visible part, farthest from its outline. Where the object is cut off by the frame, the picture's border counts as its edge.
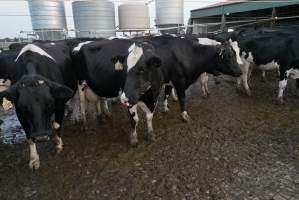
(248, 92)
(108, 115)
(185, 117)
(34, 164)
(151, 136)
(205, 96)
(264, 80)
(280, 100)
(59, 149)
(133, 141)
(100, 119)
(166, 109)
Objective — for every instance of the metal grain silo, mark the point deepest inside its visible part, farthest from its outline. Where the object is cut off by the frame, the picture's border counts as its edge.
(94, 18)
(169, 13)
(48, 18)
(133, 16)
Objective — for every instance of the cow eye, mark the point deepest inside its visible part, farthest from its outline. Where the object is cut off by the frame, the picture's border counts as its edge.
(141, 70)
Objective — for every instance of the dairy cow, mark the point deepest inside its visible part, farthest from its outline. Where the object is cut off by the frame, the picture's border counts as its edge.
(44, 81)
(170, 60)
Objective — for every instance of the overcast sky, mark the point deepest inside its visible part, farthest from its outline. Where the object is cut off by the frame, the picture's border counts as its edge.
(11, 25)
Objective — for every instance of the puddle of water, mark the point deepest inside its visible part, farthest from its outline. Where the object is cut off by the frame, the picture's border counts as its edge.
(11, 131)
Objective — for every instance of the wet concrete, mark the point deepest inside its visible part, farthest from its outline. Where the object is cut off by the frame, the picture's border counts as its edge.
(236, 147)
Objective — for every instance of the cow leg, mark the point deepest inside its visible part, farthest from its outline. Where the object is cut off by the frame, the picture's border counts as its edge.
(182, 100)
(264, 79)
(149, 118)
(245, 83)
(204, 84)
(282, 85)
(34, 162)
(239, 86)
(134, 122)
(167, 91)
(99, 110)
(82, 105)
(173, 94)
(106, 108)
(244, 77)
(59, 113)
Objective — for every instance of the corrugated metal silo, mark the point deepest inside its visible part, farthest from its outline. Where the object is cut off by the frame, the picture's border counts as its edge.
(94, 18)
(169, 13)
(48, 18)
(133, 16)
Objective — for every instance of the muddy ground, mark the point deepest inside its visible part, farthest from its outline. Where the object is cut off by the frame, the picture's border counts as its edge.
(236, 147)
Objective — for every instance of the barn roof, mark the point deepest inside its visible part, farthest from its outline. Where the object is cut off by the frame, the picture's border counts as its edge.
(235, 6)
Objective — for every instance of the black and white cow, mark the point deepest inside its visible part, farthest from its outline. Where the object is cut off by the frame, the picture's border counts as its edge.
(101, 74)
(44, 81)
(170, 60)
(273, 50)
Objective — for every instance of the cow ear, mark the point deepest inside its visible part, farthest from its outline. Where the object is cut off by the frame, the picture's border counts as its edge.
(60, 92)
(154, 61)
(119, 58)
(10, 94)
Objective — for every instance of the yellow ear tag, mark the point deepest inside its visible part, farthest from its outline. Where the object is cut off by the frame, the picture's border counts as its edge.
(6, 104)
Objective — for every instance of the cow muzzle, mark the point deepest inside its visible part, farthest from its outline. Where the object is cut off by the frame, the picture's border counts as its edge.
(124, 100)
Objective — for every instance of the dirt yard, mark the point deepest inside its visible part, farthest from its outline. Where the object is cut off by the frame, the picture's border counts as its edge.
(235, 148)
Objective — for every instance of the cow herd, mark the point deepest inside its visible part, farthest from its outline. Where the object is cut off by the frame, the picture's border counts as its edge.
(45, 76)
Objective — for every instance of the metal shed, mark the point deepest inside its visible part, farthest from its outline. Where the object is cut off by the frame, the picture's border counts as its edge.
(264, 13)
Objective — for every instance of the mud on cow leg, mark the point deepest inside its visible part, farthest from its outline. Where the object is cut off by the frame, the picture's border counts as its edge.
(134, 122)
(34, 162)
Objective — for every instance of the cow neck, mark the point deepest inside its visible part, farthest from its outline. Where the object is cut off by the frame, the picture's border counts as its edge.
(205, 59)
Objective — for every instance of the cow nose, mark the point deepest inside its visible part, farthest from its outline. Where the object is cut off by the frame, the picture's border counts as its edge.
(124, 100)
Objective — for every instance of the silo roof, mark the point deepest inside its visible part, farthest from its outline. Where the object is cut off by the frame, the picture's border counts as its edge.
(233, 6)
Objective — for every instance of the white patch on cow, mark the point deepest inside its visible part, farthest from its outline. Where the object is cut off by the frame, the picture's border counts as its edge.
(133, 136)
(41, 82)
(0, 51)
(208, 41)
(119, 66)
(165, 104)
(135, 54)
(269, 66)
(55, 126)
(149, 116)
(34, 162)
(80, 45)
(59, 143)
(52, 43)
(282, 86)
(236, 48)
(4, 84)
(250, 57)
(36, 49)
(293, 73)
(90, 95)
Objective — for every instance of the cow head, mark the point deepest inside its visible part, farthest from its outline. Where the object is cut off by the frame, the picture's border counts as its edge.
(35, 99)
(227, 60)
(143, 73)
